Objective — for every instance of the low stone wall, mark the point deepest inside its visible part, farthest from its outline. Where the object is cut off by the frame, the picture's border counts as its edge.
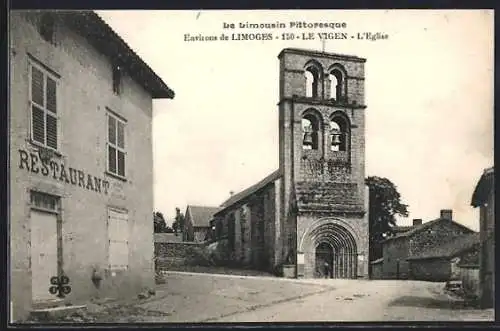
(170, 255)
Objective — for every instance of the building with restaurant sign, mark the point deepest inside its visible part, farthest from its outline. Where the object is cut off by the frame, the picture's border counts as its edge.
(81, 163)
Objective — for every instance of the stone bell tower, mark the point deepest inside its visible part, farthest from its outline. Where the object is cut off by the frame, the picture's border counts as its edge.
(322, 161)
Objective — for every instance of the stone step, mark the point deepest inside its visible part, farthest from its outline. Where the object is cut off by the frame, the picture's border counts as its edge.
(54, 313)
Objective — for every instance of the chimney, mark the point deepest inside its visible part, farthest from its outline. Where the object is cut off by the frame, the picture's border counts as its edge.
(417, 221)
(231, 193)
(447, 214)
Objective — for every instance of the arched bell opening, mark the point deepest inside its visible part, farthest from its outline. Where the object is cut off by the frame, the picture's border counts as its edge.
(311, 131)
(313, 75)
(337, 82)
(339, 133)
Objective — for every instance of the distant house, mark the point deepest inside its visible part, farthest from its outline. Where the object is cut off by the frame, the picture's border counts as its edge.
(377, 264)
(484, 198)
(197, 222)
(440, 262)
(420, 237)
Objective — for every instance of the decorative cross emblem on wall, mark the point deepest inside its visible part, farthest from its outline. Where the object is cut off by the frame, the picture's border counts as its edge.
(60, 286)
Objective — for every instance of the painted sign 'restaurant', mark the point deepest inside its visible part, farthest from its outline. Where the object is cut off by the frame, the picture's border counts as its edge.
(31, 162)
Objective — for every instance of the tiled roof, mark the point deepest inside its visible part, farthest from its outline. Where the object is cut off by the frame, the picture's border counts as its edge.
(327, 196)
(91, 26)
(201, 215)
(451, 248)
(483, 187)
(424, 226)
(252, 189)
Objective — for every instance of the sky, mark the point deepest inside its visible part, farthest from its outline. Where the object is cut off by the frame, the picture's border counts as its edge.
(429, 97)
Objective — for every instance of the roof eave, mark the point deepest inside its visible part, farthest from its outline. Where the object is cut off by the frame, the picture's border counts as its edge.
(106, 40)
(270, 179)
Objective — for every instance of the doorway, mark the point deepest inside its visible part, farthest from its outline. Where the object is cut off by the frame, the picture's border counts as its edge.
(43, 253)
(324, 260)
(45, 247)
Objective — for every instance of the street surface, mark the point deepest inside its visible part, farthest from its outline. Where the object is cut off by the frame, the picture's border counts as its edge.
(191, 297)
(213, 298)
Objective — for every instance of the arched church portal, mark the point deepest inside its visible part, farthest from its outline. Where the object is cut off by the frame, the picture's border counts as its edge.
(334, 244)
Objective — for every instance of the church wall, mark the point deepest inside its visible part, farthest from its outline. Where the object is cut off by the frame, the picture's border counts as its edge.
(255, 229)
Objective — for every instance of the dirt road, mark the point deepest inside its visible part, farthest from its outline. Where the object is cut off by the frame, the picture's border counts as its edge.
(194, 297)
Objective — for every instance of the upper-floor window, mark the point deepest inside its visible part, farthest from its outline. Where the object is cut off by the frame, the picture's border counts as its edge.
(47, 27)
(116, 145)
(43, 107)
(117, 79)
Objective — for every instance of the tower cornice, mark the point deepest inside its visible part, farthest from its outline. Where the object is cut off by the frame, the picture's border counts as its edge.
(335, 56)
(322, 102)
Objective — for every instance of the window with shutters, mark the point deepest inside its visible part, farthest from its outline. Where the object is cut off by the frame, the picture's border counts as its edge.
(118, 236)
(43, 104)
(116, 145)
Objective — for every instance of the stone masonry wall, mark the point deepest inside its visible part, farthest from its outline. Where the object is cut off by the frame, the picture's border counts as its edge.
(169, 255)
(319, 165)
(395, 253)
(435, 270)
(397, 250)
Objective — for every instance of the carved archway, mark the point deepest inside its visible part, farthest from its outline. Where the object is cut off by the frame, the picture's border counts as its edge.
(342, 239)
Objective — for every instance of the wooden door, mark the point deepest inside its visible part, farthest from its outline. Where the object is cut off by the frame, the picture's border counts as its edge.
(43, 253)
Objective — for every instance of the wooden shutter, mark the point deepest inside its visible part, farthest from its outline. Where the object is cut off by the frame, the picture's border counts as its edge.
(111, 159)
(118, 239)
(37, 86)
(51, 131)
(38, 124)
(51, 96)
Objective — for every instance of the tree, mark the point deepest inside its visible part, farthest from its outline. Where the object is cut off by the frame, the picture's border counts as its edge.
(178, 224)
(385, 203)
(159, 222)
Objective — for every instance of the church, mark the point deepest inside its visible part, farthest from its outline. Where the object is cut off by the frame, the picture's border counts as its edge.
(309, 218)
